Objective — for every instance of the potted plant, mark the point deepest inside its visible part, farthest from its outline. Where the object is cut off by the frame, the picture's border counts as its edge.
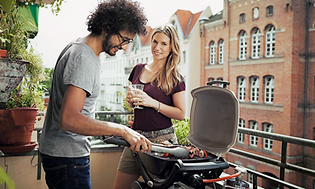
(27, 95)
(26, 99)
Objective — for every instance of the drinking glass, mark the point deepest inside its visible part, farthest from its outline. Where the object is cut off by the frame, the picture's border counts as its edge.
(140, 87)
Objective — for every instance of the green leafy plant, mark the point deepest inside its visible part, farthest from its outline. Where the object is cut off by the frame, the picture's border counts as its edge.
(4, 178)
(30, 93)
(55, 6)
(182, 129)
(13, 36)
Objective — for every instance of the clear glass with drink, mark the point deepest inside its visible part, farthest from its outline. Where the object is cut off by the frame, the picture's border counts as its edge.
(139, 87)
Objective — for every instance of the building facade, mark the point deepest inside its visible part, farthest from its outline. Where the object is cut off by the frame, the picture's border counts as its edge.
(266, 50)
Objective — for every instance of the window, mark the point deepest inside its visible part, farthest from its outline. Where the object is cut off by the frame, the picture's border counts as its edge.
(269, 89)
(241, 89)
(270, 41)
(241, 124)
(255, 13)
(269, 11)
(255, 43)
(221, 50)
(212, 53)
(210, 79)
(268, 142)
(250, 176)
(253, 140)
(220, 79)
(242, 17)
(242, 45)
(254, 87)
(146, 59)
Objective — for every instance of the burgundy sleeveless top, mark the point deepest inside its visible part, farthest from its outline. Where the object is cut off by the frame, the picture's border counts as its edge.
(148, 119)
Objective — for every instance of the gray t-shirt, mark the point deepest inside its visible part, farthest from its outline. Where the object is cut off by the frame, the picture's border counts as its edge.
(80, 67)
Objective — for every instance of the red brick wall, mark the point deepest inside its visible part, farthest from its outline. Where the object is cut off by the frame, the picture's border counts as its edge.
(286, 114)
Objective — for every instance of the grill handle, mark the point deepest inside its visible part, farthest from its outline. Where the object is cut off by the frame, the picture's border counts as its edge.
(176, 151)
(115, 140)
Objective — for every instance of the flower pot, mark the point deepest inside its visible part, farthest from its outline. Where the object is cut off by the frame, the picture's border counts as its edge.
(24, 116)
(14, 133)
(3, 53)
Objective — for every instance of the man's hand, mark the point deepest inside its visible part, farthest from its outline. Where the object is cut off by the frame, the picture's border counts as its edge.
(137, 141)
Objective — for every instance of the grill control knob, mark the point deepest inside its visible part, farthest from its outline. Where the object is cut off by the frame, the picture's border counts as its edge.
(150, 184)
(195, 180)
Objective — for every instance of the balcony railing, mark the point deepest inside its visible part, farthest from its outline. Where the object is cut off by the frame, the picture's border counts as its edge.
(283, 165)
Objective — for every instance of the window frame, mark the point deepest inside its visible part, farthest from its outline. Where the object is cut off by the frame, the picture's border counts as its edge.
(268, 8)
(221, 51)
(240, 136)
(269, 89)
(256, 43)
(267, 144)
(254, 89)
(253, 140)
(242, 18)
(241, 88)
(270, 41)
(242, 45)
(212, 53)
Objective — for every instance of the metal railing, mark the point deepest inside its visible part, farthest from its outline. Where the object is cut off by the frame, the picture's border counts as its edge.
(282, 164)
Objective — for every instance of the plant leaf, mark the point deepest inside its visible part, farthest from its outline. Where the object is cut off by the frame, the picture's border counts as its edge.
(5, 178)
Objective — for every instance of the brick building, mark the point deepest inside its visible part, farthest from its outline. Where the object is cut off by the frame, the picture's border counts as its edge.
(266, 50)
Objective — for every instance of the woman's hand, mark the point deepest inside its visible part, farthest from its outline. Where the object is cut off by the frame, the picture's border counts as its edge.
(140, 98)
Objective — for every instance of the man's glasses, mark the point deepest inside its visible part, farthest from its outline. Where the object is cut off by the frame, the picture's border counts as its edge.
(125, 41)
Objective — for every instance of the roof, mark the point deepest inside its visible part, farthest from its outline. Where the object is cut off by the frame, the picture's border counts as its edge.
(215, 17)
(187, 20)
(145, 40)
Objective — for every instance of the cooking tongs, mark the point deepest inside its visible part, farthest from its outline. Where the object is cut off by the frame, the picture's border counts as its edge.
(177, 151)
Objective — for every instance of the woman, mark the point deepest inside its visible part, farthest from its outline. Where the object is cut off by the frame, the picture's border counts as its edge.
(162, 99)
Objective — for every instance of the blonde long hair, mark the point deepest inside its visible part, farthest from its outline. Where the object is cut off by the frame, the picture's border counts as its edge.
(168, 77)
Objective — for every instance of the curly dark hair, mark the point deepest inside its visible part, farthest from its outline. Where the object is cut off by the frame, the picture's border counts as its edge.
(113, 16)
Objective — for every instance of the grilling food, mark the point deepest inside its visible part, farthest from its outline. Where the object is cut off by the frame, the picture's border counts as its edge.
(193, 153)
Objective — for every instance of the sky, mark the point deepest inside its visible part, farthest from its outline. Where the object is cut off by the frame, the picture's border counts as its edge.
(56, 31)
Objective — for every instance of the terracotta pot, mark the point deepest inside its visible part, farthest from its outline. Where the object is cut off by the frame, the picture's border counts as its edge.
(3, 53)
(24, 116)
(12, 134)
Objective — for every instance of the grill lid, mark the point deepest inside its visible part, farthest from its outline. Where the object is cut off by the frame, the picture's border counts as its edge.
(213, 119)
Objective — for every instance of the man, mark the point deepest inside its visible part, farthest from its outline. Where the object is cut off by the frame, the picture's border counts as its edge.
(64, 145)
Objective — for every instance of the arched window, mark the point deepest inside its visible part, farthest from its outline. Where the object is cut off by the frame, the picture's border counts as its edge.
(221, 51)
(241, 88)
(212, 52)
(254, 88)
(241, 124)
(270, 41)
(255, 43)
(268, 142)
(253, 140)
(269, 89)
(242, 45)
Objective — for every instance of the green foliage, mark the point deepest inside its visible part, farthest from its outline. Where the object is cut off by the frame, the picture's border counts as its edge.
(4, 178)
(55, 7)
(182, 129)
(13, 37)
(31, 92)
(47, 83)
